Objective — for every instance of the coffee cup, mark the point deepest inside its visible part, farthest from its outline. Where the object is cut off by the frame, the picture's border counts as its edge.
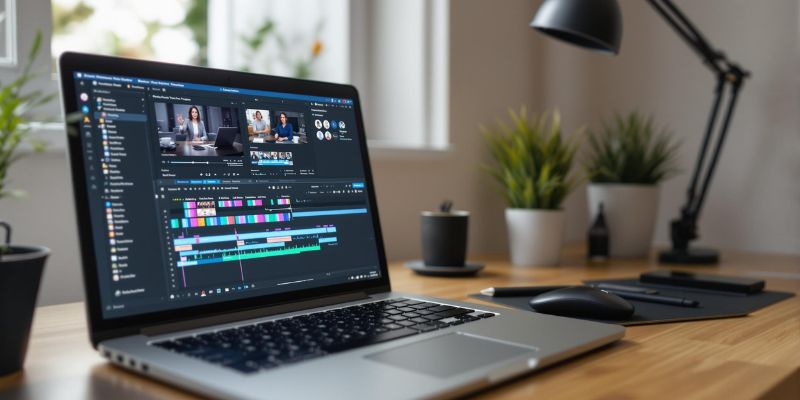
(444, 238)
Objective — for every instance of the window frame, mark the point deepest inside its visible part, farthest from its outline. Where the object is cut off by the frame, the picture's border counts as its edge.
(436, 56)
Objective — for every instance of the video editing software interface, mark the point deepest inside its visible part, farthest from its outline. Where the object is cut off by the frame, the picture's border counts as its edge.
(202, 193)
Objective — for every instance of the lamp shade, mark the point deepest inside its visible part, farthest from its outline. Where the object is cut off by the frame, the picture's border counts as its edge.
(594, 24)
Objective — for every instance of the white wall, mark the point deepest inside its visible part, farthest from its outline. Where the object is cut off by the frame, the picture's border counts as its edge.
(498, 62)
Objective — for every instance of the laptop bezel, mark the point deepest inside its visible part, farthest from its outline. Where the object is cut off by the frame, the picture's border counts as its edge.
(101, 328)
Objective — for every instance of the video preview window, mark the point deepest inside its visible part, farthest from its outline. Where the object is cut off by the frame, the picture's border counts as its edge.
(275, 126)
(189, 130)
(259, 125)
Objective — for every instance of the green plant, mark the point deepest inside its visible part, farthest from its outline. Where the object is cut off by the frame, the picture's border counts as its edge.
(532, 160)
(16, 106)
(628, 150)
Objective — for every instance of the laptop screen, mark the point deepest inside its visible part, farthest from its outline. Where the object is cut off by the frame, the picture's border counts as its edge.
(201, 194)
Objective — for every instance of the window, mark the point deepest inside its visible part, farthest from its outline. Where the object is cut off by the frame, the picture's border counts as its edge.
(400, 64)
(164, 30)
(8, 32)
(299, 38)
(303, 39)
(394, 51)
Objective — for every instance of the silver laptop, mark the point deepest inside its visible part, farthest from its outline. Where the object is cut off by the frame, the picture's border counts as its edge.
(263, 274)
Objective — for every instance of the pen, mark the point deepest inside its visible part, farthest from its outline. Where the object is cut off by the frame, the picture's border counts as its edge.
(623, 288)
(537, 290)
(653, 298)
(519, 291)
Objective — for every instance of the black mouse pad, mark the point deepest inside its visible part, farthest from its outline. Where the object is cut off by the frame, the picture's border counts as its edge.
(712, 304)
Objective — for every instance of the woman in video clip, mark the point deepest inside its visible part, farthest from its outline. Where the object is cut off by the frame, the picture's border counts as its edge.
(197, 130)
(283, 132)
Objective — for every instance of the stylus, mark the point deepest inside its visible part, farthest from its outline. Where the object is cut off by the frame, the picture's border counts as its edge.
(653, 298)
(537, 290)
(623, 288)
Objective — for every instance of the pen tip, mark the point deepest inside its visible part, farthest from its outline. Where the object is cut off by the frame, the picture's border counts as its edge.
(487, 292)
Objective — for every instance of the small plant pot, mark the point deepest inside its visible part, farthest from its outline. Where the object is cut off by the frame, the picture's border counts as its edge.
(20, 274)
(535, 236)
(630, 214)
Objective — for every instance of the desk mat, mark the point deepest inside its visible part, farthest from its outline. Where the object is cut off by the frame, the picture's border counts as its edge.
(712, 304)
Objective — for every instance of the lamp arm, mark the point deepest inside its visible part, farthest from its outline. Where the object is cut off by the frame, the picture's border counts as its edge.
(691, 192)
(715, 60)
(694, 209)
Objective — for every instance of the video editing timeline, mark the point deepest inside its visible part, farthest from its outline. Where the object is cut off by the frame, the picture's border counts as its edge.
(239, 241)
(221, 208)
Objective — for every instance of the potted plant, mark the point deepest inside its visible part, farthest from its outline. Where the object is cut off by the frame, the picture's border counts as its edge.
(532, 166)
(627, 160)
(20, 266)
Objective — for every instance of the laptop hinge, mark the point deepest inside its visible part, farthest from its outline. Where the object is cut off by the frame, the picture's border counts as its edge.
(250, 314)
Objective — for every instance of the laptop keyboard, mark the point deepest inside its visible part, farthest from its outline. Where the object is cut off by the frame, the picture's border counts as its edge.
(271, 344)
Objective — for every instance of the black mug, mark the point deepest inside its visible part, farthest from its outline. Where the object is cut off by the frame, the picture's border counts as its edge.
(20, 274)
(444, 238)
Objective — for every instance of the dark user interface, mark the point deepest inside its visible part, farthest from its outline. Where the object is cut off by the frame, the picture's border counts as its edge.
(203, 193)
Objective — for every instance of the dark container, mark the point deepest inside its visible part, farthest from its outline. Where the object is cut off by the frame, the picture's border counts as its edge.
(444, 238)
(20, 273)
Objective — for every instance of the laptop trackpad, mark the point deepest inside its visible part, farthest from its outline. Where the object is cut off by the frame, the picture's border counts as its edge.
(451, 354)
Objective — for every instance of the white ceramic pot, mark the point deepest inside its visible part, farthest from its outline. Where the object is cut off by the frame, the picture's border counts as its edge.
(535, 236)
(630, 213)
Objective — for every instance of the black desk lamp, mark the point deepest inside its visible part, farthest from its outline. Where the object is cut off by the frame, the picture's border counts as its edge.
(597, 25)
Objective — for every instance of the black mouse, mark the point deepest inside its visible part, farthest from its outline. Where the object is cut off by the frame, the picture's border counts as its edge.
(582, 302)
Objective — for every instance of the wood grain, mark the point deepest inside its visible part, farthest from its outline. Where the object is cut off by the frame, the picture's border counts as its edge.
(757, 356)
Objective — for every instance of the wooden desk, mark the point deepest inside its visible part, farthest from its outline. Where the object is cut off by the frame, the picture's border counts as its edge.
(183, 148)
(739, 358)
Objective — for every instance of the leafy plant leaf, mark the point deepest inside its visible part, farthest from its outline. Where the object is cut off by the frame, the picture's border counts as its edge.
(16, 105)
(532, 160)
(627, 149)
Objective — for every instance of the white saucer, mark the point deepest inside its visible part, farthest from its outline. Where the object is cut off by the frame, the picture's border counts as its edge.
(470, 268)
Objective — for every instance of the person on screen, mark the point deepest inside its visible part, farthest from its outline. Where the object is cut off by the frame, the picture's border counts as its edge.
(284, 130)
(259, 125)
(180, 123)
(195, 126)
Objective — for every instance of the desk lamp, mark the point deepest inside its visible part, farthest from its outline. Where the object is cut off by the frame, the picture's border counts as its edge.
(597, 25)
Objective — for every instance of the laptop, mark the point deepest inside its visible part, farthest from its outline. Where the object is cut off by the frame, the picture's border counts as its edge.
(226, 135)
(238, 280)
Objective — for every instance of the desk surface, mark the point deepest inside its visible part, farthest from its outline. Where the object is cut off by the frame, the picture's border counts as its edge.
(757, 356)
(185, 148)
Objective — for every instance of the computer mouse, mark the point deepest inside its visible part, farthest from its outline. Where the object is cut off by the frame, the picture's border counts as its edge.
(582, 302)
